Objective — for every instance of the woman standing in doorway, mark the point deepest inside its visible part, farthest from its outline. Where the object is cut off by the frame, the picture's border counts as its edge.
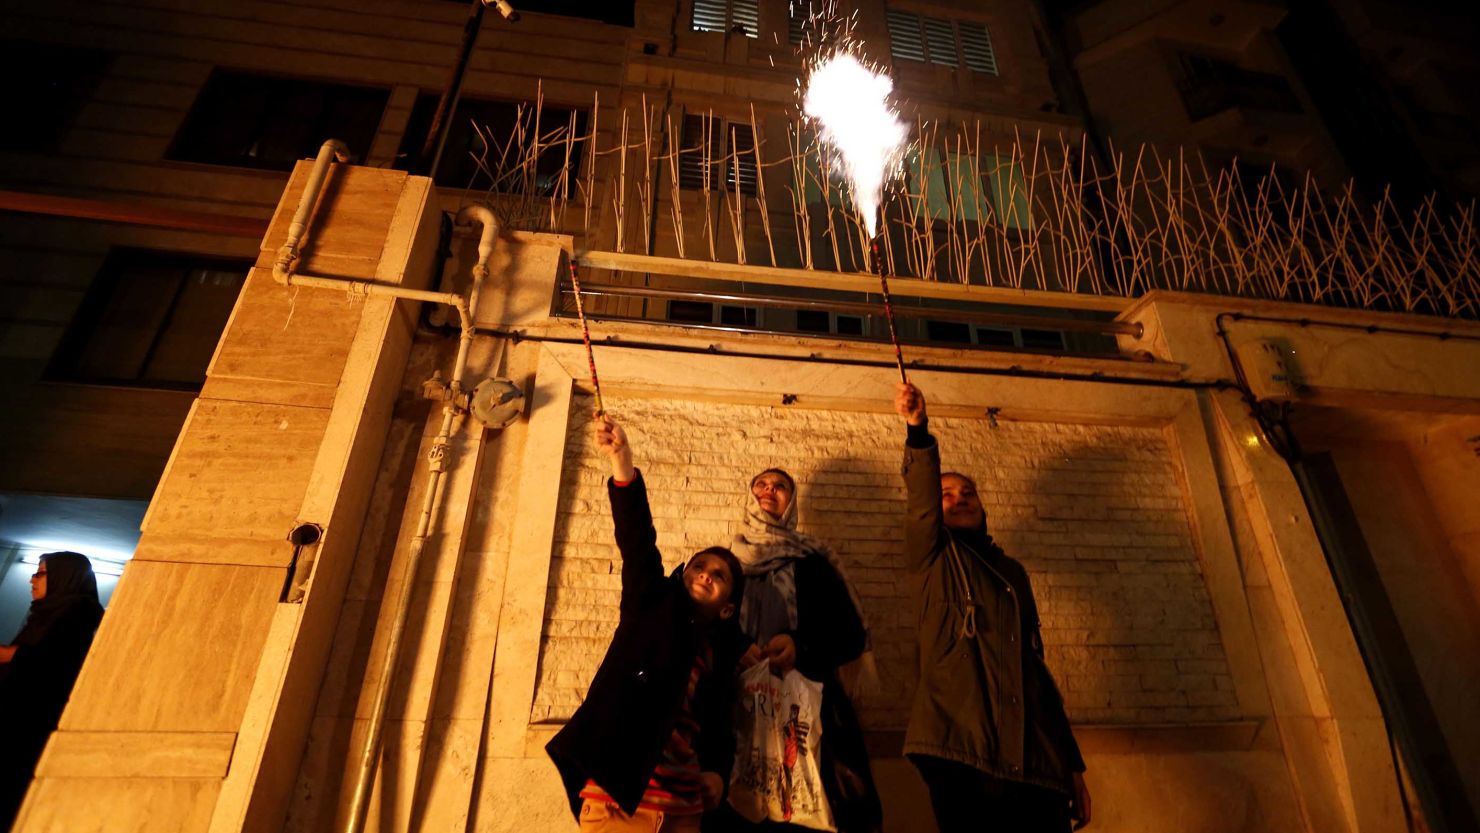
(803, 613)
(38, 668)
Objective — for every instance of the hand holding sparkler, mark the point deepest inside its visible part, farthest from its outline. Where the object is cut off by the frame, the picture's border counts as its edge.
(612, 440)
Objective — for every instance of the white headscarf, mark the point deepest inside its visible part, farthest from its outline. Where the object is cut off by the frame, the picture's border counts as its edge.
(768, 548)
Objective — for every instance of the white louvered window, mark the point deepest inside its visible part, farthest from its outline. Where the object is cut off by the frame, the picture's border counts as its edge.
(720, 151)
(940, 41)
(727, 16)
(798, 13)
(906, 43)
(916, 37)
(976, 47)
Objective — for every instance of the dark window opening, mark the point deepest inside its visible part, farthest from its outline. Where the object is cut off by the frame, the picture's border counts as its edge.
(1042, 339)
(255, 121)
(813, 321)
(737, 316)
(47, 87)
(949, 331)
(150, 319)
(994, 337)
(850, 325)
(489, 145)
(692, 312)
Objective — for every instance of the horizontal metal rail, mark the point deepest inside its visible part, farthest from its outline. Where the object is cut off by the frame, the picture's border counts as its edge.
(995, 319)
(917, 363)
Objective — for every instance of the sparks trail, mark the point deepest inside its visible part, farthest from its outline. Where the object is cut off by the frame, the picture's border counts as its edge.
(848, 102)
(575, 285)
(889, 311)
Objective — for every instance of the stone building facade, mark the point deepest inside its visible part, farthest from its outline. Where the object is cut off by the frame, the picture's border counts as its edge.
(1191, 615)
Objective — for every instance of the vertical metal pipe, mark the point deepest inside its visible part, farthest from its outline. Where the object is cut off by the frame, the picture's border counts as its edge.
(369, 758)
(288, 254)
(431, 150)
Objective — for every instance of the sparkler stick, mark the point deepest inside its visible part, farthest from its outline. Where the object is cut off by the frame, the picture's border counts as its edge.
(575, 284)
(889, 310)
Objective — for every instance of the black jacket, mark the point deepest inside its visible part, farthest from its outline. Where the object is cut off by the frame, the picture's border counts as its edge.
(985, 698)
(616, 737)
(830, 634)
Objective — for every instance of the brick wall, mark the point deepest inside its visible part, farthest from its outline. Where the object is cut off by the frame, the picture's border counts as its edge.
(1095, 513)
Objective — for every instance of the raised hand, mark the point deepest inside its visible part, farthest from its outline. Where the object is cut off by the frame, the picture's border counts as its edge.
(612, 440)
(909, 403)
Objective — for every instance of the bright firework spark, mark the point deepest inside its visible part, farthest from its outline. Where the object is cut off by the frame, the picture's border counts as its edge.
(850, 104)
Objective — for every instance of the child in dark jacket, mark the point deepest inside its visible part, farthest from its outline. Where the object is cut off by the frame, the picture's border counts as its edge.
(651, 746)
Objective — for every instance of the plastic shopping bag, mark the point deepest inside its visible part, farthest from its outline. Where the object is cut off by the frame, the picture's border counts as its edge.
(778, 771)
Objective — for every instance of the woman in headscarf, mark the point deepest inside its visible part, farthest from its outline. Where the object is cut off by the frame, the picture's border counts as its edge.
(38, 668)
(803, 613)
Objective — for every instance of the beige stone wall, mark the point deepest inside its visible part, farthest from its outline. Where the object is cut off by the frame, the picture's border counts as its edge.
(1389, 465)
(1095, 512)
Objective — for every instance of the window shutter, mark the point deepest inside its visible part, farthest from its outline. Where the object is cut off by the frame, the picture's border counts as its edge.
(798, 12)
(694, 161)
(709, 16)
(940, 40)
(742, 169)
(746, 13)
(905, 41)
(976, 47)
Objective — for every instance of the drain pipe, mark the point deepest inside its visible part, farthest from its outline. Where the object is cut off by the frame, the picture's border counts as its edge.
(284, 269)
(452, 394)
(307, 202)
(455, 399)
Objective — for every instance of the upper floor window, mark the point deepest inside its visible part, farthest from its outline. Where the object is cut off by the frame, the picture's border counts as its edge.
(1209, 85)
(707, 314)
(798, 20)
(821, 321)
(258, 121)
(150, 319)
(960, 332)
(46, 86)
(957, 186)
(504, 146)
(951, 43)
(719, 151)
(739, 16)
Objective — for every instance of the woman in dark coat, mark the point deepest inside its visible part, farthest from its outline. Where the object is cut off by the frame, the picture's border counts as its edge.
(38, 668)
(803, 613)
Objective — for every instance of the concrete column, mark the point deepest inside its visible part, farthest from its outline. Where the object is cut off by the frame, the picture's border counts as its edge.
(193, 708)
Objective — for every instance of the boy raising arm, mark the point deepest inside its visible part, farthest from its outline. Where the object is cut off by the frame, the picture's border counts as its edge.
(651, 745)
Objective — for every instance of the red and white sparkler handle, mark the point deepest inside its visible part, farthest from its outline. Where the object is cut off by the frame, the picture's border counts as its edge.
(889, 312)
(575, 285)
